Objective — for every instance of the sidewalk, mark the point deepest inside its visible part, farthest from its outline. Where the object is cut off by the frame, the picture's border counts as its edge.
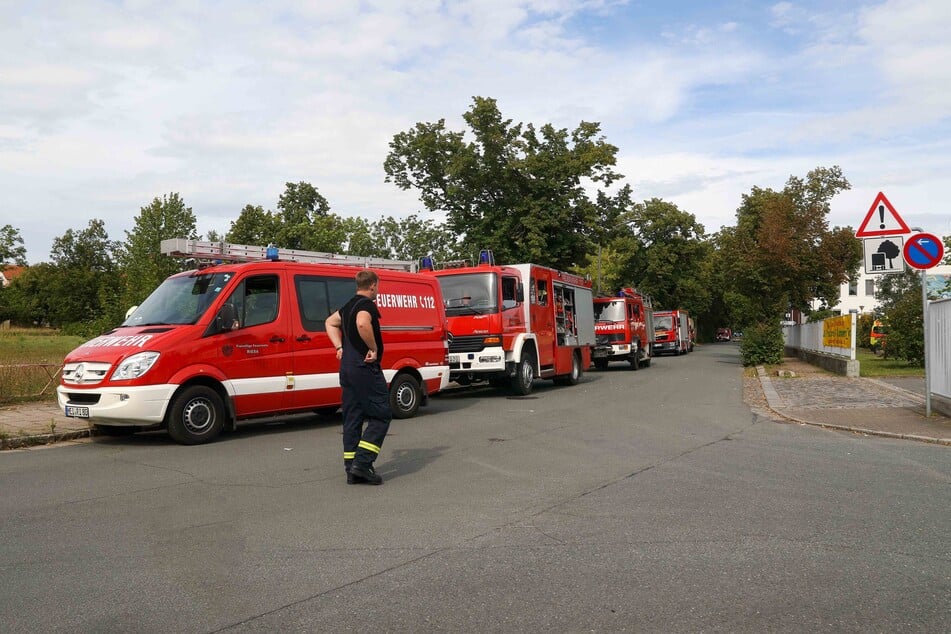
(879, 407)
(813, 397)
(38, 423)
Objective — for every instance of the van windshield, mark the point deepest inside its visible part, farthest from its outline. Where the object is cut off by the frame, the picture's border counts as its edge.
(180, 299)
(609, 311)
(663, 322)
(470, 293)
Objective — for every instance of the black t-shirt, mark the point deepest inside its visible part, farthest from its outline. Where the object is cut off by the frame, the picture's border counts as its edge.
(348, 318)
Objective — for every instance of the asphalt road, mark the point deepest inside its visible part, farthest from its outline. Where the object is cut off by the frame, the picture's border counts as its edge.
(635, 501)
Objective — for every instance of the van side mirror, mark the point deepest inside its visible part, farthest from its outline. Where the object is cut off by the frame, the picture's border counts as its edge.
(227, 318)
(520, 293)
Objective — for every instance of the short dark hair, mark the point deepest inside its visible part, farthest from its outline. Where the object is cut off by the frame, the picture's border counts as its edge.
(365, 279)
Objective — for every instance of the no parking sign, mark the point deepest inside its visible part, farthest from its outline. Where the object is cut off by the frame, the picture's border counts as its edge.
(923, 251)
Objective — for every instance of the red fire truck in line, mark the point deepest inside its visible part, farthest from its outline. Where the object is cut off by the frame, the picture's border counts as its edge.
(673, 332)
(511, 324)
(245, 338)
(624, 329)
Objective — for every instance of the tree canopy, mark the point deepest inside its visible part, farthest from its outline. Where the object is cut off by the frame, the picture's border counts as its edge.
(12, 250)
(521, 191)
(781, 254)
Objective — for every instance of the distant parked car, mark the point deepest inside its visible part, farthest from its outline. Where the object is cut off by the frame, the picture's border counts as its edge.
(723, 334)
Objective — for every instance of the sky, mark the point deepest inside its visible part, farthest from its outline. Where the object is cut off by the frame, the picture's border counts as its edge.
(106, 105)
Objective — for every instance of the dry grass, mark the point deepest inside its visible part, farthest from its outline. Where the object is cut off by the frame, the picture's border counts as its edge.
(30, 361)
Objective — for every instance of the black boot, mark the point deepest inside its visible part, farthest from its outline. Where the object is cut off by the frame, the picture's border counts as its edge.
(363, 474)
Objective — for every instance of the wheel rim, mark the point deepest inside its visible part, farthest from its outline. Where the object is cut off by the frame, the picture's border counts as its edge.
(405, 397)
(527, 373)
(199, 416)
(575, 369)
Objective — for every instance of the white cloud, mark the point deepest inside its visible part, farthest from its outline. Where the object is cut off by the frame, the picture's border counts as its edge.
(104, 106)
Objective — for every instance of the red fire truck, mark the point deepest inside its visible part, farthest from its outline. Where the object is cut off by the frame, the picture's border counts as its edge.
(673, 332)
(245, 338)
(624, 328)
(511, 324)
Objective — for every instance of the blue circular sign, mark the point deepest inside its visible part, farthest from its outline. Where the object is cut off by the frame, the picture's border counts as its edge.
(923, 251)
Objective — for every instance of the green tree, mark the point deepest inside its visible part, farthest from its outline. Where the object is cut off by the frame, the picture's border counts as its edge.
(519, 191)
(141, 262)
(12, 250)
(30, 299)
(412, 237)
(254, 226)
(899, 299)
(671, 259)
(781, 254)
(85, 280)
(300, 210)
(614, 245)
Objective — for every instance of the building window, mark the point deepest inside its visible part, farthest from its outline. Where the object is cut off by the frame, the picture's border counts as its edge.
(853, 288)
(870, 287)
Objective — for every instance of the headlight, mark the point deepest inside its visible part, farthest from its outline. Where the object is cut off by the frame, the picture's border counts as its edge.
(135, 366)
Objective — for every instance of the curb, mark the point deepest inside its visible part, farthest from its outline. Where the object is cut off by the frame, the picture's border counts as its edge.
(775, 405)
(20, 442)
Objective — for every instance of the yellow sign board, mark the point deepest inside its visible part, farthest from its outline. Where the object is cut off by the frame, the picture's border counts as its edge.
(837, 332)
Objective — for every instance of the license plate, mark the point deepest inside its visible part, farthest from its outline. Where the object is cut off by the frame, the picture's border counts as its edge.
(77, 411)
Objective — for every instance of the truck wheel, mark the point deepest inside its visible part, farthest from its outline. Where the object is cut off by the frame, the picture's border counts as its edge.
(196, 416)
(405, 396)
(635, 360)
(646, 361)
(524, 375)
(573, 377)
(601, 364)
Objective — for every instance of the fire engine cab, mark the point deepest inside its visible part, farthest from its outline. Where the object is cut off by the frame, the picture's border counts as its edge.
(245, 338)
(511, 324)
(673, 332)
(624, 327)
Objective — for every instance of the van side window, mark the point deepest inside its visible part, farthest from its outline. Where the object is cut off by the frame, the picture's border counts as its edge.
(509, 292)
(320, 296)
(542, 294)
(256, 300)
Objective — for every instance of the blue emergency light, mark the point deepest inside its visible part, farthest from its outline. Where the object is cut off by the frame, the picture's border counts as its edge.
(486, 257)
(427, 263)
(271, 253)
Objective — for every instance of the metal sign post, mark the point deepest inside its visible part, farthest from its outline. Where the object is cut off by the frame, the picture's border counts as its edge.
(924, 319)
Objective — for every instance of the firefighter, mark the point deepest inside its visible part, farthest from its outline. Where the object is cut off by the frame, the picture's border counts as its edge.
(354, 331)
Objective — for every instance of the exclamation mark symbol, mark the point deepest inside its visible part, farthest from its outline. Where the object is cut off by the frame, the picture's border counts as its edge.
(881, 216)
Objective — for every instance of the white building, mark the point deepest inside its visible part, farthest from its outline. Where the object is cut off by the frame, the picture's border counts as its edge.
(860, 295)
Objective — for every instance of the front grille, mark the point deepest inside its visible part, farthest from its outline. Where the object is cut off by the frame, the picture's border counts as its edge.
(468, 343)
(85, 373)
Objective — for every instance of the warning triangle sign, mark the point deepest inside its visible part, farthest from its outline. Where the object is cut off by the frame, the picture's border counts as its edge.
(882, 220)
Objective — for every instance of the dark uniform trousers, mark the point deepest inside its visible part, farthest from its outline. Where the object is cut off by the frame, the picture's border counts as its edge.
(366, 400)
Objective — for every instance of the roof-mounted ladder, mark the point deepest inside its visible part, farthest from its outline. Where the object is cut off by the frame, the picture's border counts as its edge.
(228, 252)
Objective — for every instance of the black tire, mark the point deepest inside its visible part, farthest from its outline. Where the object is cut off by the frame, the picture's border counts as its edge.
(635, 360)
(115, 430)
(601, 364)
(646, 361)
(573, 377)
(524, 375)
(196, 416)
(405, 396)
